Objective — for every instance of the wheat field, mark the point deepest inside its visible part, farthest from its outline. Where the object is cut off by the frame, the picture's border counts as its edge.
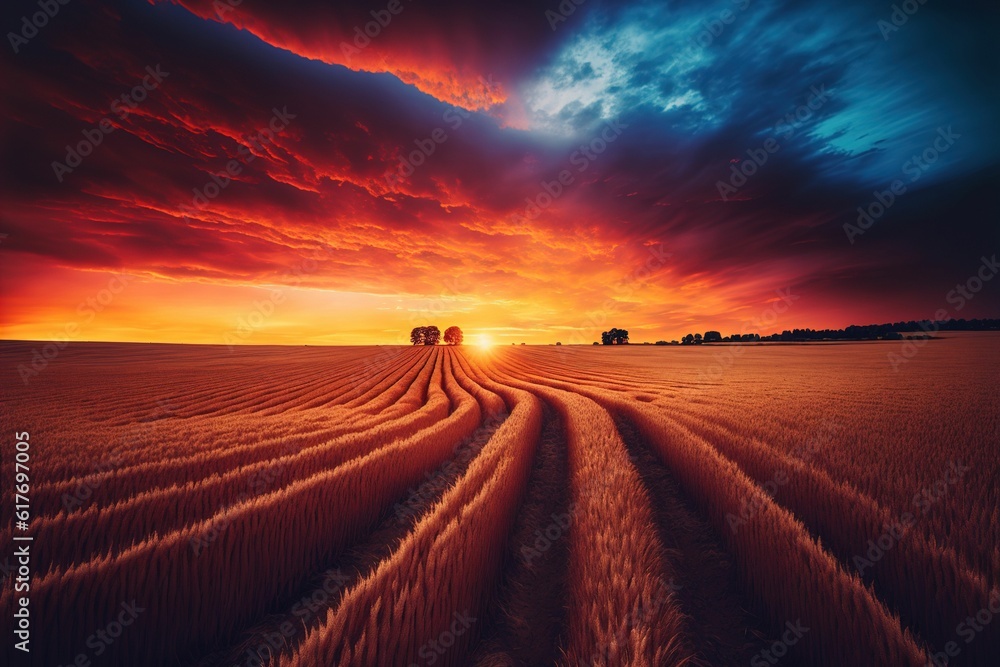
(624, 505)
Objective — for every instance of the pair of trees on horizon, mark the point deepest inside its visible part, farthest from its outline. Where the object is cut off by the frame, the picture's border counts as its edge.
(431, 335)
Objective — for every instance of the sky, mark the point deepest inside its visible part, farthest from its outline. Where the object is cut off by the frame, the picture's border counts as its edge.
(246, 172)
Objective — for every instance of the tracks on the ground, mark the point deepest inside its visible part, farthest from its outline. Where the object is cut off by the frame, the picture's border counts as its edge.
(530, 608)
(528, 619)
(281, 631)
(718, 624)
(529, 614)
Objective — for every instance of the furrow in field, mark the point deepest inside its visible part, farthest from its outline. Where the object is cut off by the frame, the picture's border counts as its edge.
(109, 530)
(282, 630)
(439, 580)
(172, 437)
(600, 365)
(229, 392)
(720, 627)
(783, 568)
(942, 487)
(125, 481)
(622, 606)
(328, 389)
(928, 584)
(305, 525)
(526, 623)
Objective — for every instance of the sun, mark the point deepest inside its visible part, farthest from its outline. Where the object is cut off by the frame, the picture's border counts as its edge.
(484, 342)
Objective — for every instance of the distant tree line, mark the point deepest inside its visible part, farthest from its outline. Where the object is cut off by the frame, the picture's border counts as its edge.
(888, 331)
(431, 335)
(716, 337)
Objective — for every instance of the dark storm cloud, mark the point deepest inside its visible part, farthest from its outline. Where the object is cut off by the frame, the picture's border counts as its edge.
(495, 105)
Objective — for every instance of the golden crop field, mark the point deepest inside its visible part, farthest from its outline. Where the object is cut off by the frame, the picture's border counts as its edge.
(621, 505)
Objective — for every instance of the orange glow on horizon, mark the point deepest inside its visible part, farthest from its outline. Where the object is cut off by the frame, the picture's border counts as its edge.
(67, 304)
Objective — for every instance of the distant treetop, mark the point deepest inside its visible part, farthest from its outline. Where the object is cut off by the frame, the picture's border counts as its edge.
(453, 336)
(614, 337)
(425, 335)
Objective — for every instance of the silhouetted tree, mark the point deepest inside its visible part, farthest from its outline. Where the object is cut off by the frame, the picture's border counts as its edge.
(614, 337)
(417, 335)
(432, 335)
(713, 337)
(453, 336)
(687, 340)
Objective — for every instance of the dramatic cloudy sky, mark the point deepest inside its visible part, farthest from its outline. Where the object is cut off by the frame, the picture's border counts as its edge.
(322, 237)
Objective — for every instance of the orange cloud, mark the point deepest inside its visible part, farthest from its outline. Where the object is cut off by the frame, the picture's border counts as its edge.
(386, 39)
